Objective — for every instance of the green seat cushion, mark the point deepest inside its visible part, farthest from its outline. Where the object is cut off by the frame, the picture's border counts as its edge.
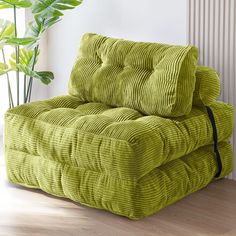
(152, 78)
(207, 88)
(134, 199)
(120, 142)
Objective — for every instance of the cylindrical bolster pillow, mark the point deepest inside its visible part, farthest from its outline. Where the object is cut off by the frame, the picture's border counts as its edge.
(207, 87)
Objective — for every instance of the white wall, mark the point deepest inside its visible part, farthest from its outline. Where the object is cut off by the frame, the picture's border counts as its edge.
(150, 20)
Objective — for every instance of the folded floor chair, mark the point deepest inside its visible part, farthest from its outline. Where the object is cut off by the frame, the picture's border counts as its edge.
(139, 130)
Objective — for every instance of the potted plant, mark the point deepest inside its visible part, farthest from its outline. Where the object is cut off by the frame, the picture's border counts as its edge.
(26, 49)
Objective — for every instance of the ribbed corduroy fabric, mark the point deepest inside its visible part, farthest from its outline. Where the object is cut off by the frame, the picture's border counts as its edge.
(134, 199)
(207, 87)
(107, 144)
(152, 78)
(118, 141)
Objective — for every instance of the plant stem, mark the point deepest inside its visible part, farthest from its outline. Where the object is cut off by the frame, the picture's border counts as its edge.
(24, 100)
(11, 104)
(29, 88)
(17, 61)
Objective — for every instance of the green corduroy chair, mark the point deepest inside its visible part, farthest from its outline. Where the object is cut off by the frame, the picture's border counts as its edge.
(139, 130)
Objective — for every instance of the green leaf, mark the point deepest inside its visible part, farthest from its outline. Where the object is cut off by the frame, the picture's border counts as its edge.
(18, 3)
(44, 76)
(4, 68)
(26, 58)
(39, 25)
(20, 41)
(4, 5)
(53, 8)
(6, 31)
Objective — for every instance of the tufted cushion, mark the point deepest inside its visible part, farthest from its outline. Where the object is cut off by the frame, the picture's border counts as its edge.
(152, 78)
(207, 87)
(120, 142)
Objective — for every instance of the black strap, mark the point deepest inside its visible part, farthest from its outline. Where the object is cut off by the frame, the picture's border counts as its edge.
(215, 138)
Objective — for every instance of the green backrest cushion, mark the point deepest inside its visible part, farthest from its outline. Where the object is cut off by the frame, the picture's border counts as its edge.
(207, 87)
(153, 78)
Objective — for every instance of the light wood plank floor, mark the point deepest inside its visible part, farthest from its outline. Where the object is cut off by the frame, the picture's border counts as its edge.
(211, 211)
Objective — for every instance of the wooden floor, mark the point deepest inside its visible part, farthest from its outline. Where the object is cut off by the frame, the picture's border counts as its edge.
(211, 211)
